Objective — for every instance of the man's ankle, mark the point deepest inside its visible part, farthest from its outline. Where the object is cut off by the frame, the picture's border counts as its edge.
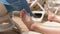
(33, 26)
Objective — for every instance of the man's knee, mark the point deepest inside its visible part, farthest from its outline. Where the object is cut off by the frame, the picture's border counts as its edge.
(3, 10)
(3, 13)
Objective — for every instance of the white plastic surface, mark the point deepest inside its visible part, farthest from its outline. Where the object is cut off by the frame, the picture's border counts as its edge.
(54, 24)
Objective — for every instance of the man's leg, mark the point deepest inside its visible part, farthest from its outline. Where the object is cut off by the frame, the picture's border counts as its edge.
(37, 27)
(26, 18)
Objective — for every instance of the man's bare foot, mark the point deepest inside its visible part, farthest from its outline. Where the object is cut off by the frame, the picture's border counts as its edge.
(50, 14)
(26, 18)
